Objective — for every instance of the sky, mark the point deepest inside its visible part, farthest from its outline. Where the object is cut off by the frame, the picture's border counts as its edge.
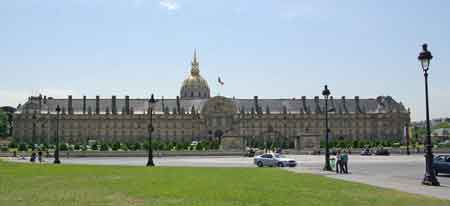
(265, 48)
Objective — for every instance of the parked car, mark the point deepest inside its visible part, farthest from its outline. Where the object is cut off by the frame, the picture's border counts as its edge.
(366, 152)
(441, 164)
(272, 160)
(382, 151)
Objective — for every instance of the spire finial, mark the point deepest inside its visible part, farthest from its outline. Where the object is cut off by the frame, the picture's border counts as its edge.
(195, 56)
(195, 71)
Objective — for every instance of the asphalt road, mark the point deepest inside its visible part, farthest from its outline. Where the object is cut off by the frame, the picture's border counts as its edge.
(397, 172)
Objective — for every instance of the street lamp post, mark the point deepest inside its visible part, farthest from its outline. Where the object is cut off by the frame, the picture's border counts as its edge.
(33, 137)
(407, 138)
(430, 177)
(57, 161)
(326, 93)
(150, 162)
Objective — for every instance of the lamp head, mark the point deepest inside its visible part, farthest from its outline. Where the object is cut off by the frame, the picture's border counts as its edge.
(152, 100)
(326, 92)
(425, 57)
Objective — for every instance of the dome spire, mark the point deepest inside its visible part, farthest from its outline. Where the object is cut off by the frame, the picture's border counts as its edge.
(195, 70)
(195, 56)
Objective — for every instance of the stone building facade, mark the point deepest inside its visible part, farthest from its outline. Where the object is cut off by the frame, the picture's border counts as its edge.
(194, 115)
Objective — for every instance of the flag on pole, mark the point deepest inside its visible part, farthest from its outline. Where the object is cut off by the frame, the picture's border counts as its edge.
(220, 81)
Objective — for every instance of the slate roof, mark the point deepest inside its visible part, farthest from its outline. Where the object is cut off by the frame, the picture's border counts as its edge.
(380, 104)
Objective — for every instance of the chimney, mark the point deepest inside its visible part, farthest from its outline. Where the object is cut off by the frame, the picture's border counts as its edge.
(344, 105)
(97, 104)
(127, 104)
(162, 104)
(257, 108)
(84, 104)
(178, 105)
(70, 105)
(305, 107)
(113, 105)
(358, 107)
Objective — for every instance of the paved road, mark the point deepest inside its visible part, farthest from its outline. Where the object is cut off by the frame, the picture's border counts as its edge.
(398, 172)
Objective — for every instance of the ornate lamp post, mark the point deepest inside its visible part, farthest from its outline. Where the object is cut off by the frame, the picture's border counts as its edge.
(326, 93)
(407, 138)
(33, 137)
(430, 177)
(57, 161)
(151, 103)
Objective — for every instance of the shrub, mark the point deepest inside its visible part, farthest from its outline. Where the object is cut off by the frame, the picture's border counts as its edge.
(124, 147)
(130, 146)
(63, 147)
(77, 147)
(355, 144)
(31, 146)
(116, 146)
(340, 144)
(137, 146)
(104, 147)
(12, 145)
(23, 147)
(145, 146)
(94, 147)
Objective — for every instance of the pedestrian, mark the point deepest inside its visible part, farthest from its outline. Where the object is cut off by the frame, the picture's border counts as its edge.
(344, 163)
(33, 156)
(338, 162)
(40, 156)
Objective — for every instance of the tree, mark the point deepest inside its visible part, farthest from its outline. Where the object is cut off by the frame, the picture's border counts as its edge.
(442, 125)
(3, 124)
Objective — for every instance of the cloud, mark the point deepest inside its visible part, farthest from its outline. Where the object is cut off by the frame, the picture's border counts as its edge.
(170, 5)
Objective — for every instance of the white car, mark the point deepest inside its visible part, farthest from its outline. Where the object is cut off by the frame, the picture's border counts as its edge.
(273, 159)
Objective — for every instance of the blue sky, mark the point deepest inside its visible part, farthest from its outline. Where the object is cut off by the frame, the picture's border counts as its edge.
(273, 49)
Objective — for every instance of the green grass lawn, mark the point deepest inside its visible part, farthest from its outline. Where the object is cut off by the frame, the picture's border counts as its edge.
(34, 184)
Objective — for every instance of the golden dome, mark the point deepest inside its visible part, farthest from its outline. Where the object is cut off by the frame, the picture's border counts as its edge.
(195, 81)
(194, 86)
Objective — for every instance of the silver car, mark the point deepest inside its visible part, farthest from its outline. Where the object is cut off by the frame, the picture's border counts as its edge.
(272, 160)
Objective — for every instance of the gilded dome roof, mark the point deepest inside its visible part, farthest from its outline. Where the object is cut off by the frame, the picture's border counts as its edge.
(195, 79)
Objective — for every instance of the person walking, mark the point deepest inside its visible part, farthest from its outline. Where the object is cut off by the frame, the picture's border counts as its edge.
(40, 156)
(344, 160)
(338, 162)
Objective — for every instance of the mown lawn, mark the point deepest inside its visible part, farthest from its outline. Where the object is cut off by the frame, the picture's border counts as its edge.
(47, 185)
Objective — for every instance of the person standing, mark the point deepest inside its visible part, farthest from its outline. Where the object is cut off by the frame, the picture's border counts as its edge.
(33, 156)
(338, 162)
(344, 160)
(40, 156)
